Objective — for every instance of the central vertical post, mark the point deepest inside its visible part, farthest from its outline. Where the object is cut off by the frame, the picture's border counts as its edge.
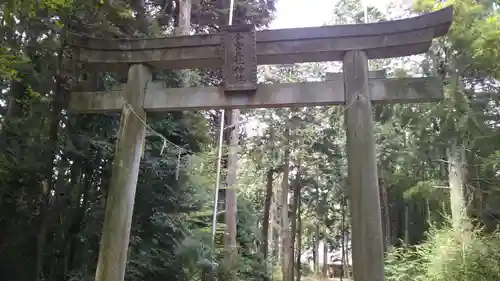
(239, 72)
(367, 245)
(230, 214)
(121, 195)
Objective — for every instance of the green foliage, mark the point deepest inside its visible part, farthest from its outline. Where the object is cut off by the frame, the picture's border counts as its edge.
(423, 189)
(474, 33)
(448, 255)
(8, 63)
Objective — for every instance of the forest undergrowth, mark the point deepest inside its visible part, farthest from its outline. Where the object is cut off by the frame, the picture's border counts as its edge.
(448, 254)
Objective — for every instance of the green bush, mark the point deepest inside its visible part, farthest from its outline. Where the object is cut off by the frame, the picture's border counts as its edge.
(448, 255)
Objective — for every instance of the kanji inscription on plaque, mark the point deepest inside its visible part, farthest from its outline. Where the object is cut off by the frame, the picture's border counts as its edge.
(240, 60)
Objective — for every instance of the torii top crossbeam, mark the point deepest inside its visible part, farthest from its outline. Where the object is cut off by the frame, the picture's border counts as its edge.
(282, 46)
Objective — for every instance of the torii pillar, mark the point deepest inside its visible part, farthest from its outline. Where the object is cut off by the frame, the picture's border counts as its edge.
(360, 89)
(113, 250)
(362, 179)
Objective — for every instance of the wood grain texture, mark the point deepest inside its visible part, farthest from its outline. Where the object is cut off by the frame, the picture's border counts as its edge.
(378, 74)
(230, 214)
(329, 43)
(434, 20)
(158, 98)
(115, 237)
(367, 245)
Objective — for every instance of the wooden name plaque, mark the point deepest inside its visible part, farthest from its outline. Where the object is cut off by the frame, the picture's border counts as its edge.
(240, 60)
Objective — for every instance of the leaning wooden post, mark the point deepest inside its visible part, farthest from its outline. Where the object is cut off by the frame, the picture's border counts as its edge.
(367, 246)
(121, 195)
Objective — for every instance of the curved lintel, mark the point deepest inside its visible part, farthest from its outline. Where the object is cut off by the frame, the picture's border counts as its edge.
(313, 44)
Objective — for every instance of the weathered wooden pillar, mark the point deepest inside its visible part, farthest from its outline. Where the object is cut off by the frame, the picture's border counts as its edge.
(239, 72)
(121, 195)
(230, 214)
(367, 246)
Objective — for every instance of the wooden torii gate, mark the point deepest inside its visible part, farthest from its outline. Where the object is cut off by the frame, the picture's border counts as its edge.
(238, 50)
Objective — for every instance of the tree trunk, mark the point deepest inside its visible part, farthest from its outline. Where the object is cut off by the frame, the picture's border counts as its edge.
(386, 218)
(273, 225)
(277, 240)
(285, 223)
(77, 207)
(342, 246)
(323, 215)
(295, 204)
(395, 216)
(347, 265)
(42, 231)
(141, 15)
(57, 105)
(298, 263)
(456, 176)
(407, 224)
(267, 217)
(325, 255)
(316, 250)
(14, 100)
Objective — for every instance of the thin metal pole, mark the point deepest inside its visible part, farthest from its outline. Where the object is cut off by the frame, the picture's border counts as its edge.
(231, 8)
(219, 150)
(217, 178)
(366, 11)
